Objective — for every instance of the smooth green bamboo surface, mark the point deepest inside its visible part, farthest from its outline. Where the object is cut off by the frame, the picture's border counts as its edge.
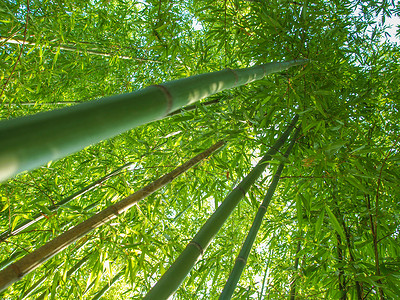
(31, 141)
(241, 260)
(174, 276)
(31, 261)
(36, 218)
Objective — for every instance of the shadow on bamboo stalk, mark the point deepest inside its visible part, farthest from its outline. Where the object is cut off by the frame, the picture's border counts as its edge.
(174, 276)
(241, 260)
(28, 263)
(31, 141)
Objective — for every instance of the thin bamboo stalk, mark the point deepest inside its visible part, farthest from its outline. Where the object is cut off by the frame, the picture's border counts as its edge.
(241, 260)
(36, 218)
(174, 276)
(292, 295)
(28, 263)
(5, 40)
(70, 272)
(117, 277)
(37, 283)
(31, 141)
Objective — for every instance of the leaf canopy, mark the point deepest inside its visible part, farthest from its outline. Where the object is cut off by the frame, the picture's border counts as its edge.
(338, 194)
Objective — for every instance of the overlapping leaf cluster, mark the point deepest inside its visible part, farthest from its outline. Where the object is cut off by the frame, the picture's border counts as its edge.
(336, 211)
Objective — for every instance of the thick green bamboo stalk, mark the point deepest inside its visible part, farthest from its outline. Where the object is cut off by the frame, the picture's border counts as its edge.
(31, 141)
(193, 107)
(117, 277)
(241, 260)
(36, 218)
(174, 276)
(28, 263)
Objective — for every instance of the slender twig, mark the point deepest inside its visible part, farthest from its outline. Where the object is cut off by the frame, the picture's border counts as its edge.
(75, 49)
(4, 40)
(375, 242)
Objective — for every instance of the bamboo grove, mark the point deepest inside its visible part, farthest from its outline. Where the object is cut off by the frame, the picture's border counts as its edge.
(270, 125)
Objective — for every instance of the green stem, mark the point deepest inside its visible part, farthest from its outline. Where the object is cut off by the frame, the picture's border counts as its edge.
(70, 272)
(100, 293)
(292, 295)
(241, 260)
(31, 261)
(174, 276)
(31, 141)
(73, 49)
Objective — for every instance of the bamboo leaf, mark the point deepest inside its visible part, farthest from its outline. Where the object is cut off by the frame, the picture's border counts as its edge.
(319, 223)
(335, 223)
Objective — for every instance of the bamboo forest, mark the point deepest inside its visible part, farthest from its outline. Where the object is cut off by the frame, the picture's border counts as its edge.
(225, 149)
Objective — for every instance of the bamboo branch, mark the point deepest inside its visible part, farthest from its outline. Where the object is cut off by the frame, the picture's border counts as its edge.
(350, 248)
(117, 277)
(341, 278)
(30, 262)
(174, 276)
(375, 243)
(70, 272)
(22, 48)
(292, 295)
(74, 49)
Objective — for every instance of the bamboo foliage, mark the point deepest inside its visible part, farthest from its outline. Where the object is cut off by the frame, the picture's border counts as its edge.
(36, 218)
(30, 262)
(74, 49)
(31, 141)
(117, 277)
(174, 276)
(241, 260)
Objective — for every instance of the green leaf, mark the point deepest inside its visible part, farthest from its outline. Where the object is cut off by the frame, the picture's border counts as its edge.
(356, 183)
(319, 223)
(335, 223)
(299, 209)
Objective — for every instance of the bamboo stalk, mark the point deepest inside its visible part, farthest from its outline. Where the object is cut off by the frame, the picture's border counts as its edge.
(183, 109)
(241, 260)
(193, 107)
(30, 262)
(31, 141)
(100, 293)
(292, 295)
(36, 218)
(70, 272)
(74, 49)
(47, 275)
(174, 276)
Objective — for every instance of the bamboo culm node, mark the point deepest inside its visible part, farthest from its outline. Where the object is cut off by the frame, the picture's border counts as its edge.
(31, 141)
